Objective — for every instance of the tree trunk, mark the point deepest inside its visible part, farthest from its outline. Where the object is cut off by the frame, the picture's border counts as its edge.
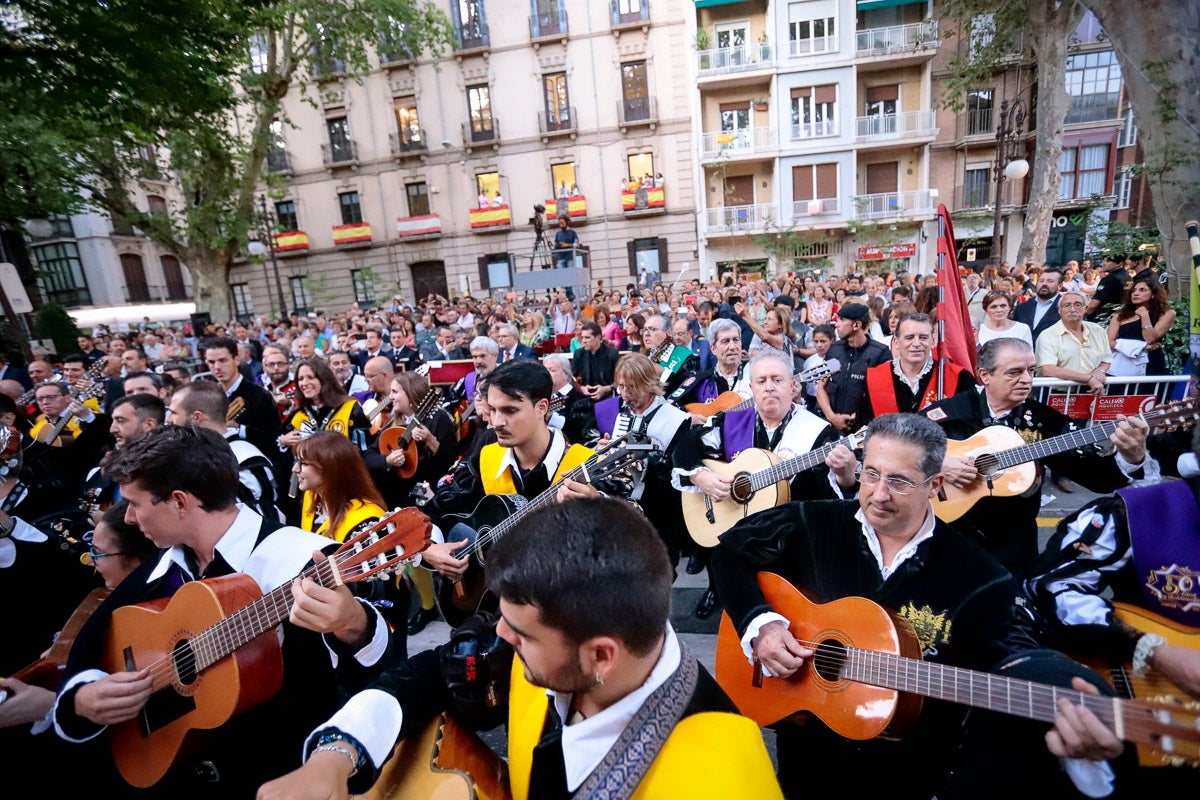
(210, 282)
(1156, 47)
(1049, 26)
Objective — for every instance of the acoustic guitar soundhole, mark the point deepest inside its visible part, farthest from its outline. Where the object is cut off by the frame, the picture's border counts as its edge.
(741, 490)
(828, 660)
(184, 659)
(986, 463)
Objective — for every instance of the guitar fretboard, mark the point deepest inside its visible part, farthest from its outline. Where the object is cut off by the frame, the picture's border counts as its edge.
(1058, 444)
(785, 470)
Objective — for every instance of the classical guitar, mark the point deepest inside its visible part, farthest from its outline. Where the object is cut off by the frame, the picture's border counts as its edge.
(374, 410)
(401, 436)
(1006, 462)
(497, 515)
(732, 401)
(47, 671)
(212, 650)
(760, 481)
(54, 434)
(236, 406)
(444, 761)
(867, 679)
(1154, 685)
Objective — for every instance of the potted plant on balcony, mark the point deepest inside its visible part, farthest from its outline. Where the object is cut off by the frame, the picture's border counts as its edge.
(761, 104)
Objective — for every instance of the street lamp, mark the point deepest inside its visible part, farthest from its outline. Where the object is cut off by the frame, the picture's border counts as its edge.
(257, 249)
(1009, 164)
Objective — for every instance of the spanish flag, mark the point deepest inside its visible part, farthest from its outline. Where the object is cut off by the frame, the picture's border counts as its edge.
(491, 217)
(655, 198)
(575, 206)
(355, 232)
(291, 241)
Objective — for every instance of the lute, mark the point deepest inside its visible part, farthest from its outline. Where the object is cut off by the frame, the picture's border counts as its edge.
(401, 437)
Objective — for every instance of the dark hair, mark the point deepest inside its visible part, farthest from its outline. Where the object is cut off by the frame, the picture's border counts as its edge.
(7, 405)
(179, 458)
(523, 379)
(913, 429)
(146, 406)
(76, 358)
(332, 394)
(154, 378)
(901, 290)
(206, 397)
(130, 539)
(922, 319)
(344, 475)
(227, 343)
(992, 297)
(1158, 305)
(141, 354)
(592, 567)
(825, 330)
(591, 328)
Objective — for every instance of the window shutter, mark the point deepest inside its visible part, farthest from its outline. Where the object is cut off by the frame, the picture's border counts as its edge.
(483, 273)
(802, 183)
(827, 181)
(881, 94)
(826, 93)
(802, 91)
(631, 248)
(663, 265)
(742, 106)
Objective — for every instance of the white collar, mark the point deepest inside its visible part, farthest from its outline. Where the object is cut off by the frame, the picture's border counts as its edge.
(558, 446)
(585, 743)
(923, 533)
(913, 383)
(235, 385)
(235, 546)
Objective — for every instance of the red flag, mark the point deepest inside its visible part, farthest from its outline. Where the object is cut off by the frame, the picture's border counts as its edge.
(958, 337)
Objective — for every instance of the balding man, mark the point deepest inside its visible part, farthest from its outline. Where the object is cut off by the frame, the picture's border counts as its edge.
(11, 388)
(675, 363)
(40, 371)
(378, 373)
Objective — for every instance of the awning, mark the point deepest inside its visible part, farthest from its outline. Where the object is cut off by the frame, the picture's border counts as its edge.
(867, 5)
(707, 3)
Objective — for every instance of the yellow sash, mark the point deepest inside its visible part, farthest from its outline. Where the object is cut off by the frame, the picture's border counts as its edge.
(491, 456)
(338, 422)
(356, 514)
(71, 428)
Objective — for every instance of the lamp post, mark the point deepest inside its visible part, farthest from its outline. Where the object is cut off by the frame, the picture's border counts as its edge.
(256, 249)
(1009, 164)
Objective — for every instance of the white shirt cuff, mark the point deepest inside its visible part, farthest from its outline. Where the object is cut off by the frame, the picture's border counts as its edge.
(1092, 778)
(678, 473)
(752, 631)
(87, 676)
(373, 717)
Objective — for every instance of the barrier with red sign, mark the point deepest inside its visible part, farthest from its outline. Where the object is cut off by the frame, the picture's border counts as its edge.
(1101, 409)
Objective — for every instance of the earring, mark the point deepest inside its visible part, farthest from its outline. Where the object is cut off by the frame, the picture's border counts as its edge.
(599, 679)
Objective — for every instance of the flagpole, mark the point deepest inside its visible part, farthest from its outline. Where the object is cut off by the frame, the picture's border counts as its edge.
(941, 323)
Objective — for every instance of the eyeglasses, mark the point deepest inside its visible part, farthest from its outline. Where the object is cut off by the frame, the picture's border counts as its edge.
(897, 486)
(94, 555)
(1070, 305)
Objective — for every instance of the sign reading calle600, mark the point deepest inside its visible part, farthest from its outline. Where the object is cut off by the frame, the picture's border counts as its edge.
(1080, 406)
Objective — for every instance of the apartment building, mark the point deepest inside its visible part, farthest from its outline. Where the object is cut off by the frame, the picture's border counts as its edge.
(815, 119)
(423, 178)
(1100, 149)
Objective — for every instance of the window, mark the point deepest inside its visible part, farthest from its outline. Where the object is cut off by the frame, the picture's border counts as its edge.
(562, 179)
(173, 275)
(979, 111)
(810, 36)
(301, 298)
(277, 159)
(488, 184)
(418, 199)
(472, 32)
(546, 18)
(60, 226)
(815, 182)
(879, 107)
(647, 257)
(1129, 129)
(60, 274)
(1083, 171)
(136, 288)
(351, 208)
(243, 299)
(641, 165)
(340, 146)
(1124, 187)
(156, 204)
(814, 111)
(408, 124)
(731, 38)
(1094, 85)
(285, 215)
(258, 53)
(631, 11)
(983, 30)
(635, 91)
(479, 103)
(977, 185)
(395, 45)
(326, 60)
(558, 105)
(364, 286)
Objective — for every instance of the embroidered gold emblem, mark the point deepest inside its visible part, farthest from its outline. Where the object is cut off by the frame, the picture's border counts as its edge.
(337, 426)
(931, 628)
(1175, 587)
(1030, 435)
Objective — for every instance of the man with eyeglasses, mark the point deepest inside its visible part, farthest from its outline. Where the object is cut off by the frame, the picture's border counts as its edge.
(889, 547)
(1074, 349)
(675, 364)
(1007, 526)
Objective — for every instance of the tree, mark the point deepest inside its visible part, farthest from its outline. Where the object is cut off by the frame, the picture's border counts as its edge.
(998, 29)
(1156, 49)
(53, 323)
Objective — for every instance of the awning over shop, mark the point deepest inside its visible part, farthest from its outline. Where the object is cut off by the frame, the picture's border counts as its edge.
(868, 5)
(707, 3)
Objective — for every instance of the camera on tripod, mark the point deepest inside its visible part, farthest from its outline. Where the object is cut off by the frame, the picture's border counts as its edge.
(538, 218)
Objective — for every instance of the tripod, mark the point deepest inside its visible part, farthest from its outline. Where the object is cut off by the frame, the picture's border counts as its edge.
(541, 251)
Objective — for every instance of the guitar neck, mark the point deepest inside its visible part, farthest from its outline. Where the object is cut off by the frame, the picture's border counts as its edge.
(1056, 444)
(785, 470)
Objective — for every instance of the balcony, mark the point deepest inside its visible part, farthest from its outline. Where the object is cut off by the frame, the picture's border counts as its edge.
(740, 219)
(409, 143)
(392, 54)
(911, 43)
(893, 127)
(726, 61)
(573, 206)
(644, 200)
(472, 39)
(814, 46)
(1094, 108)
(731, 145)
(278, 161)
(426, 226)
(354, 233)
(814, 130)
(887, 205)
(340, 153)
(811, 210)
(481, 132)
(548, 26)
(291, 242)
(979, 197)
(635, 111)
(629, 15)
(493, 218)
(563, 122)
(977, 122)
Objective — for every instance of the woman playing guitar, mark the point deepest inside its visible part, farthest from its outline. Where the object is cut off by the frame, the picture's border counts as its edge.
(322, 405)
(434, 437)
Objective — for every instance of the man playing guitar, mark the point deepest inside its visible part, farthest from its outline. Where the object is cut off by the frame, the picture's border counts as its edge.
(277, 378)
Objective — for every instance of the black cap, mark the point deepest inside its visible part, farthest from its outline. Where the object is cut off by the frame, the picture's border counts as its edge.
(856, 311)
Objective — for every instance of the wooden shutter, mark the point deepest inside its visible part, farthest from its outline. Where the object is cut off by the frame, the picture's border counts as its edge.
(631, 248)
(881, 94)
(802, 182)
(802, 91)
(826, 93)
(883, 177)
(827, 181)
(663, 264)
(483, 274)
(744, 105)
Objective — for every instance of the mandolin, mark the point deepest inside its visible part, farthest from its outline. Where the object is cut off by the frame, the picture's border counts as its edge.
(401, 437)
(760, 481)
(236, 406)
(497, 515)
(213, 651)
(866, 679)
(732, 401)
(1006, 462)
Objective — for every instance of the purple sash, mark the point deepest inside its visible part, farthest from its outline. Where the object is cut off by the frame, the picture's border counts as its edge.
(606, 414)
(707, 390)
(737, 431)
(1164, 531)
(469, 385)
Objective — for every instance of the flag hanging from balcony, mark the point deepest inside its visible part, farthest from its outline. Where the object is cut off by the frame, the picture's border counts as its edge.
(576, 206)
(425, 225)
(291, 241)
(957, 335)
(655, 198)
(491, 217)
(354, 232)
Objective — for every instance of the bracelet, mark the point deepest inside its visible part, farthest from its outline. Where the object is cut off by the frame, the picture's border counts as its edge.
(334, 736)
(1147, 327)
(334, 747)
(1144, 651)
